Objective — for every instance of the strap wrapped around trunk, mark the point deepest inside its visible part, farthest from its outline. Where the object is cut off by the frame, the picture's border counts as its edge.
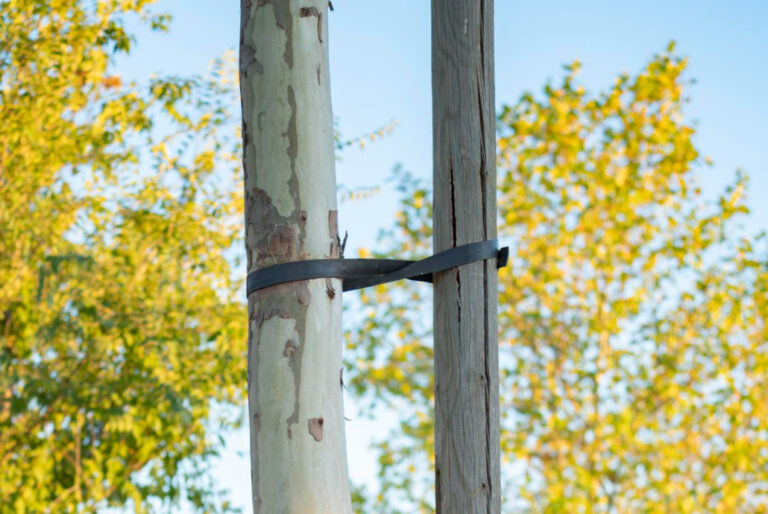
(359, 273)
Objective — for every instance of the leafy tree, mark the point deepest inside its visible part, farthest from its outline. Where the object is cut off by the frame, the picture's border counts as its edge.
(633, 314)
(634, 347)
(120, 333)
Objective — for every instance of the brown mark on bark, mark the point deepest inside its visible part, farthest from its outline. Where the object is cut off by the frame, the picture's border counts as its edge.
(329, 289)
(315, 426)
(302, 224)
(293, 353)
(270, 237)
(290, 350)
(280, 300)
(293, 147)
(281, 241)
(305, 12)
(333, 234)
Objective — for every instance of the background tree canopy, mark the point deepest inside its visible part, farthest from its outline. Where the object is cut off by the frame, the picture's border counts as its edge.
(633, 344)
(120, 328)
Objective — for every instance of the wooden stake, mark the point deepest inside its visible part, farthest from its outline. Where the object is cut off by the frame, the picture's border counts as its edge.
(465, 299)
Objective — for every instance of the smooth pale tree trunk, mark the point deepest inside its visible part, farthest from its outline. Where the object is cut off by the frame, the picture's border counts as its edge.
(465, 299)
(298, 455)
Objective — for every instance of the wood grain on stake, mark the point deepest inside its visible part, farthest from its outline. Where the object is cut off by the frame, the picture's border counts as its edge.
(466, 346)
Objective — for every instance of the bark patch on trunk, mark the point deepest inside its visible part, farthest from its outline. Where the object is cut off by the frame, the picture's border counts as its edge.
(284, 21)
(333, 233)
(306, 12)
(315, 426)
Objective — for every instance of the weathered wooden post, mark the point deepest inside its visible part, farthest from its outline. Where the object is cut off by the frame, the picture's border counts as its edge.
(465, 298)
(298, 453)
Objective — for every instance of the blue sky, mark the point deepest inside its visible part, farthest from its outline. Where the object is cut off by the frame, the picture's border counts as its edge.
(380, 71)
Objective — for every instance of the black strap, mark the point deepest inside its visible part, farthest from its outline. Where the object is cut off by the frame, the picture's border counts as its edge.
(359, 273)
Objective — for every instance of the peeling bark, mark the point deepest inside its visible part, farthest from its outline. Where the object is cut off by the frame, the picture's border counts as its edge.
(294, 339)
(315, 426)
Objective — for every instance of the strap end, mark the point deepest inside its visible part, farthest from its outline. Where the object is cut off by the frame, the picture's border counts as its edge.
(502, 257)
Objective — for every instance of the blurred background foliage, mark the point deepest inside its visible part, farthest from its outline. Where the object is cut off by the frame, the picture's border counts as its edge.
(633, 338)
(120, 321)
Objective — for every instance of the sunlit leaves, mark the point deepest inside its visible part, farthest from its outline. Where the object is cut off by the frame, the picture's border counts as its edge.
(632, 316)
(361, 141)
(119, 325)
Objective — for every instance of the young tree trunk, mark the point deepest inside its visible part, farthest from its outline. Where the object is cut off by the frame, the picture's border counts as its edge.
(465, 299)
(298, 452)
